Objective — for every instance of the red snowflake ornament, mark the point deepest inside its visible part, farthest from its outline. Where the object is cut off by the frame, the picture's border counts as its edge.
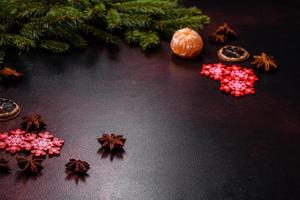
(214, 71)
(239, 73)
(15, 141)
(237, 87)
(45, 143)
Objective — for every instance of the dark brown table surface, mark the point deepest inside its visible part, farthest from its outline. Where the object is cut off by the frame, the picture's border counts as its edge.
(185, 140)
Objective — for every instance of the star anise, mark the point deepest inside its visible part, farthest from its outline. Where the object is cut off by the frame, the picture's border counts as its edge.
(30, 164)
(111, 142)
(33, 122)
(265, 61)
(217, 38)
(10, 73)
(226, 30)
(77, 166)
(4, 165)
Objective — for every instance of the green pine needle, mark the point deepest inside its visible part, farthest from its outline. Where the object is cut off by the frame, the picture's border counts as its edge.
(54, 46)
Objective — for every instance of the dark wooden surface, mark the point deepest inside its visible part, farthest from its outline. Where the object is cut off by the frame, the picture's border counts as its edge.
(185, 140)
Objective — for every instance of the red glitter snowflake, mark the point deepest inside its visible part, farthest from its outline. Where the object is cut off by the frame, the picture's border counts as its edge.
(214, 71)
(45, 143)
(239, 73)
(15, 141)
(237, 87)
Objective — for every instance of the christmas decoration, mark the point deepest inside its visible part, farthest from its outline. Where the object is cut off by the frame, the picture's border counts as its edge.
(111, 142)
(77, 166)
(214, 71)
(45, 143)
(33, 122)
(241, 73)
(236, 80)
(60, 25)
(233, 54)
(30, 164)
(4, 167)
(38, 144)
(223, 33)
(186, 43)
(9, 73)
(237, 87)
(8, 109)
(265, 61)
(15, 141)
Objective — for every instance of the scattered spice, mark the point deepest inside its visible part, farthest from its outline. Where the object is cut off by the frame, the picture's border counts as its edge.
(217, 38)
(227, 31)
(112, 141)
(222, 34)
(265, 61)
(30, 164)
(33, 122)
(77, 166)
(10, 73)
(4, 165)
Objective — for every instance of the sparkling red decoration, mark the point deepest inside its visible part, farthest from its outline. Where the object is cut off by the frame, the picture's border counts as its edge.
(236, 80)
(38, 144)
(45, 143)
(239, 73)
(214, 71)
(15, 141)
(237, 87)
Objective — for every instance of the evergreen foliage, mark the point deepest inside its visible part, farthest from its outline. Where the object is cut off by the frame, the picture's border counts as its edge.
(58, 25)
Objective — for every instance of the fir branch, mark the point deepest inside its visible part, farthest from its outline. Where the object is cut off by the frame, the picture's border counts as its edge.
(96, 11)
(172, 25)
(113, 19)
(70, 36)
(17, 41)
(54, 46)
(33, 31)
(145, 6)
(2, 56)
(32, 9)
(145, 40)
(135, 20)
(64, 14)
(100, 34)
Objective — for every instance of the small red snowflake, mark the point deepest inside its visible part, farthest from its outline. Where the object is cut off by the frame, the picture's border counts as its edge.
(237, 87)
(214, 71)
(239, 73)
(45, 143)
(15, 141)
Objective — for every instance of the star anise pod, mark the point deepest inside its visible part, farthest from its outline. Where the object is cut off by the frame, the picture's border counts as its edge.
(217, 38)
(4, 165)
(30, 164)
(33, 122)
(10, 73)
(77, 166)
(111, 141)
(226, 30)
(265, 61)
